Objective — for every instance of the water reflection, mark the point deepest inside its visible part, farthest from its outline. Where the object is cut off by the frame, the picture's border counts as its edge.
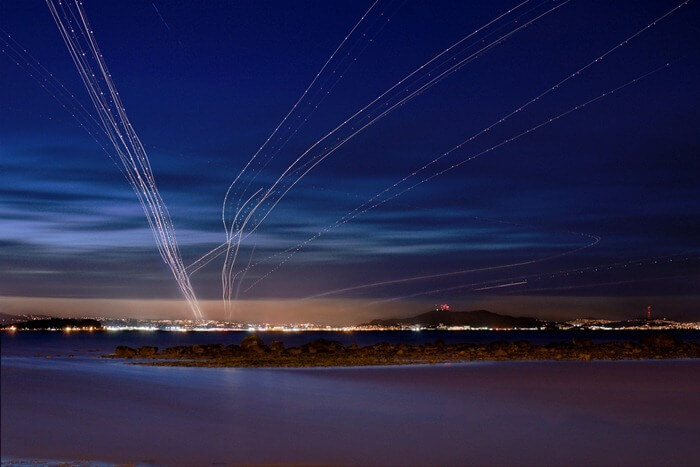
(505, 413)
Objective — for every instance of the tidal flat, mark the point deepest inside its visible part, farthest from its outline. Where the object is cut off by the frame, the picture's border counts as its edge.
(253, 352)
(96, 410)
(497, 413)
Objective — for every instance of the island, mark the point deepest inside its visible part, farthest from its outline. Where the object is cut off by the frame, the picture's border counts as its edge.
(253, 352)
(442, 317)
(55, 324)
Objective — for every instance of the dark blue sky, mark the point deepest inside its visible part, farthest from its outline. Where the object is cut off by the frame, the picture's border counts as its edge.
(204, 84)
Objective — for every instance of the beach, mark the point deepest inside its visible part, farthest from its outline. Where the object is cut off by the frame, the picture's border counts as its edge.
(514, 413)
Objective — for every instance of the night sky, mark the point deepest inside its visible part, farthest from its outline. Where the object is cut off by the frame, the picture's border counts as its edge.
(205, 83)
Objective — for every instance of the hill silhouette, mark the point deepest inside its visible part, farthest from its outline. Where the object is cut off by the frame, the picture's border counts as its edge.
(476, 319)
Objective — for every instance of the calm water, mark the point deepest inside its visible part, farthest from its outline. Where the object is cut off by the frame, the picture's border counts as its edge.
(528, 413)
(99, 343)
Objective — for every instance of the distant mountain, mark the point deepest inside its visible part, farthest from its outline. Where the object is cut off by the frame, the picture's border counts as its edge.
(475, 319)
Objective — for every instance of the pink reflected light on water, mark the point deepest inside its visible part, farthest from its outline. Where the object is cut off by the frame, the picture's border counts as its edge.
(528, 413)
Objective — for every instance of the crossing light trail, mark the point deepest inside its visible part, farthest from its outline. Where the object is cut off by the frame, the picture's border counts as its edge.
(286, 117)
(386, 109)
(305, 106)
(205, 257)
(239, 234)
(368, 205)
(363, 208)
(77, 34)
(417, 74)
(516, 137)
(546, 122)
(229, 261)
(323, 68)
(492, 148)
(254, 206)
(399, 90)
(521, 108)
(322, 87)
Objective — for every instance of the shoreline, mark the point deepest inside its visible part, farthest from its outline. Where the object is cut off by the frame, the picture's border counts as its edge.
(254, 353)
(548, 410)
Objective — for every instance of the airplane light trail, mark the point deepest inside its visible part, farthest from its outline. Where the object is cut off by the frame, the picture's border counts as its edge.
(79, 38)
(230, 258)
(367, 206)
(492, 148)
(511, 284)
(259, 186)
(595, 241)
(600, 284)
(237, 232)
(229, 263)
(517, 136)
(528, 278)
